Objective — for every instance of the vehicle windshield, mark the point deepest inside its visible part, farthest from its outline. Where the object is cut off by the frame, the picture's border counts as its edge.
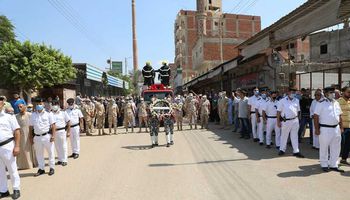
(160, 95)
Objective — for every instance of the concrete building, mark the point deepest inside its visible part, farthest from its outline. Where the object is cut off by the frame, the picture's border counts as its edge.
(332, 46)
(207, 37)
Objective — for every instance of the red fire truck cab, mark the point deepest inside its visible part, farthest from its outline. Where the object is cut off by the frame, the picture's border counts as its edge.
(158, 90)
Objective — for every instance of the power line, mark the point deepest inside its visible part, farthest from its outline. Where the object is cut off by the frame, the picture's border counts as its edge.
(244, 6)
(67, 13)
(236, 6)
(250, 6)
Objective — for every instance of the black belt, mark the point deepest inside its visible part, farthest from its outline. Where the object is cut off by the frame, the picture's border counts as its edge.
(74, 125)
(328, 126)
(271, 116)
(252, 112)
(6, 141)
(63, 128)
(42, 134)
(287, 119)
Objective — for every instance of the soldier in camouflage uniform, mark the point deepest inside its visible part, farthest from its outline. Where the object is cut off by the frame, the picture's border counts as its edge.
(154, 128)
(205, 111)
(113, 111)
(178, 111)
(142, 114)
(192, 110)
(168, 127)
(89, 113)
(100, 116)
(129, 114)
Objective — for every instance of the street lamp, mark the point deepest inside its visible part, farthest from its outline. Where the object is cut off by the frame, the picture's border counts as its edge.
(126, 65)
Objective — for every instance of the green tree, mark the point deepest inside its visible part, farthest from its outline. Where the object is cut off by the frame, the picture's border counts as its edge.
(6, 30)
(32, 66)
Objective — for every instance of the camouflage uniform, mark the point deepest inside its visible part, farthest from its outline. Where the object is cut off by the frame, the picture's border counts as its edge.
(177, 108)
(192, 111)
(169, 128)
(113, 111)
(128, 116)
(142, 114)
(100, 117)
(154, 128)
(89, 113)
(205, 111)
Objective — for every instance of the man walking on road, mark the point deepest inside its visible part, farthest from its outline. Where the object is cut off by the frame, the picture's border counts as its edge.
(9, 149)
(76, 122)
(43, 124)
(288, 113)
(270, 117)
(328, 125)
(252, 103)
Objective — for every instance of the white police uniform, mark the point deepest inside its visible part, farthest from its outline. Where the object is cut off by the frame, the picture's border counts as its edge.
(41, 122)
(261, 126)
(61, 119)
(315, 138)
(252, 102)
(75, 115)
(329, 112)
(270, 110)
(290, 124)
(8, 124)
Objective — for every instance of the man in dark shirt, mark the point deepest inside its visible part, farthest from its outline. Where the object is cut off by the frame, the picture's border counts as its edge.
(305, 104)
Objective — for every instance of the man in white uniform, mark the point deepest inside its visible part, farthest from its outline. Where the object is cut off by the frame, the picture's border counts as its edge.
(76, 124)
(252, 103)
(318, 97)
(288, 112)
(9, 149)
(62, 132)
(328, 125)
(44, 127)
(259, 116)
(270, 118)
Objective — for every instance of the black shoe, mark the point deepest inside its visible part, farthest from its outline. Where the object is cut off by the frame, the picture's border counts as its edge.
(64, 164)
(59, 163)
(281, 153)
(51, 172)
(325, 169)
(344, 162)
(298, 155)
(261, 143)
(76, 156)
(172, 142)
(16, 194)
(153, 145)
(156, 144)
(268, 146)
(168, 145)
(336, 169)
(71, 156)
(40, 172)
(4, 194)
(277, 147)
(256, 140)
(271, 143)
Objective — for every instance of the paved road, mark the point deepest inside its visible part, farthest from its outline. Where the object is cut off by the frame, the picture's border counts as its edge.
(214, 165)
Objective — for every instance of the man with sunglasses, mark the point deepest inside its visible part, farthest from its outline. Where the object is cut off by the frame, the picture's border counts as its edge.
(9, 149)
(76, 124)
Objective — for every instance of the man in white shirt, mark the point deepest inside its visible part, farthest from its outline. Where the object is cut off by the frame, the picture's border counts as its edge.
(318, 97)
(44, 127)
(288, 112)
(62, 132)
(252, 103)
(328, 125)
(9, 149)
(76, 124)
(270, 118)
(259, 116)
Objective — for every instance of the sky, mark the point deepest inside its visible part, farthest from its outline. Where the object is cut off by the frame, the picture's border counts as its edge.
(92, 31)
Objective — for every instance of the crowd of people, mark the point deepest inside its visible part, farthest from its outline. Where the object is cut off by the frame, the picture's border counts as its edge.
(28, 130)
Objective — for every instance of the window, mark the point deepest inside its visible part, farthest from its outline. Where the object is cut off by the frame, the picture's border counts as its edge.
(323, 49)
(210, 1)
(291, 45)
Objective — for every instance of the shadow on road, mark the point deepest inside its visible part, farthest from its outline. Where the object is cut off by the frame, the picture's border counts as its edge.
(252, 149)
(304, 171)
(141, 147)
(195, 163)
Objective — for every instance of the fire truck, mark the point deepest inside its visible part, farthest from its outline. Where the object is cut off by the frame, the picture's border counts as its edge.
(158, 90)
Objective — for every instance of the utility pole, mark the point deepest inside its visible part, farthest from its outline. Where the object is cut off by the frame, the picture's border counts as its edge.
(134, 42)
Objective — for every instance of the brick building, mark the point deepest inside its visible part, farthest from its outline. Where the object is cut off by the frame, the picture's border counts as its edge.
(207, 37)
